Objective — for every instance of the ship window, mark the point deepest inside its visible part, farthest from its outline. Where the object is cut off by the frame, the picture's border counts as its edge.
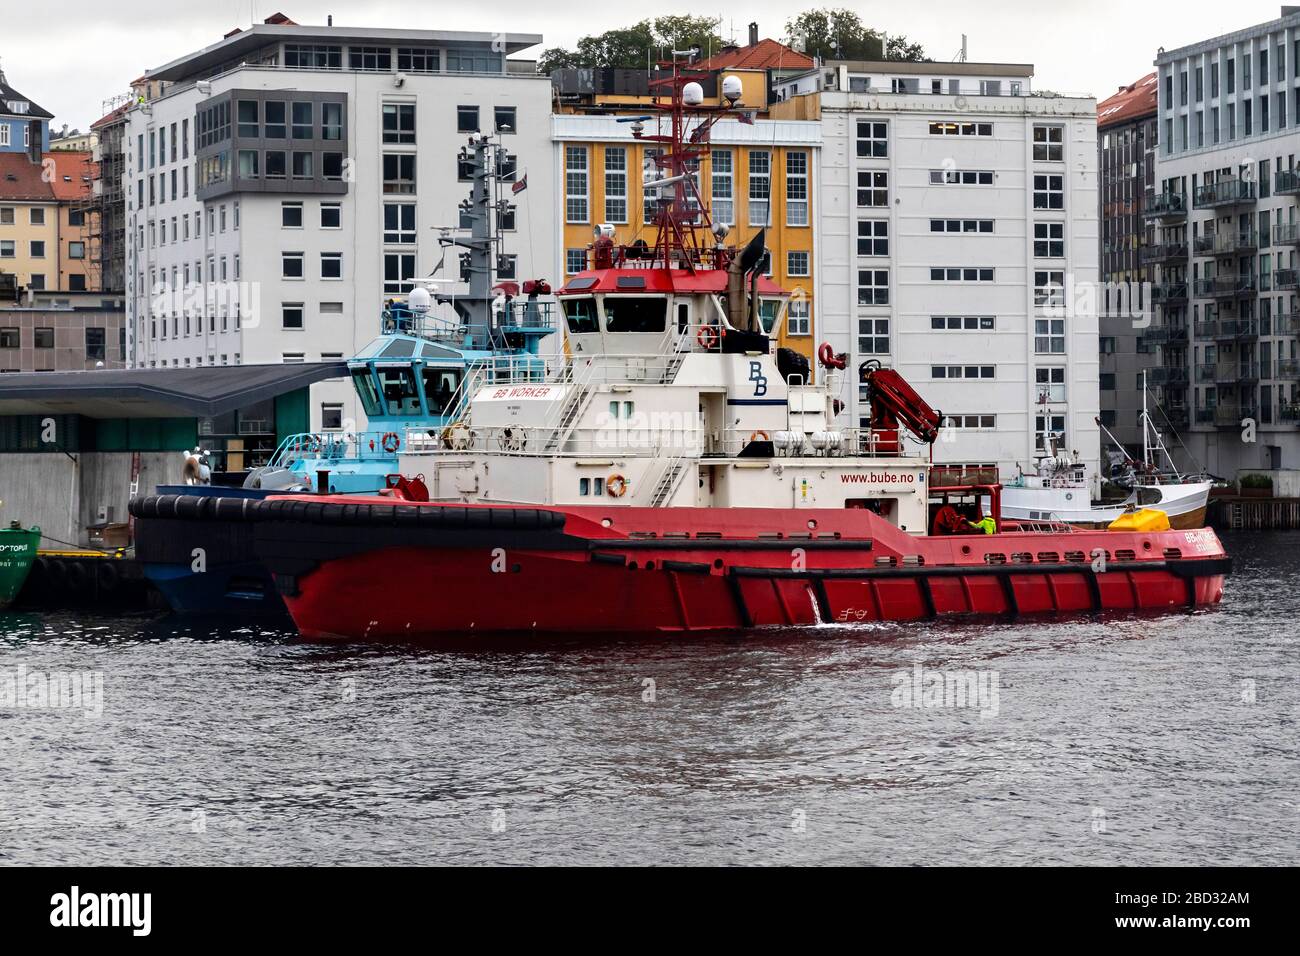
(440, 385)
(584, 486)
(635, 314)
(581, 315)
(400, 395)
(364, 383)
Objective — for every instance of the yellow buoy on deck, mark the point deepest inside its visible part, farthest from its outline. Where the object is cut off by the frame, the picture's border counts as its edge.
(1144, 519)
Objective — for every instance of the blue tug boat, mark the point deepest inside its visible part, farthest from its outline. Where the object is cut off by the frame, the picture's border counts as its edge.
(413, 384)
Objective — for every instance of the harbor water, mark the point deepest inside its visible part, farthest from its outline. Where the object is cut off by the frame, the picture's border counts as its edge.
(1136, 740)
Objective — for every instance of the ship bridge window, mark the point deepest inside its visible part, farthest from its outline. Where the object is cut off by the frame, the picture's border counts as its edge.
(440, 385)
(635, 313)
(367, 391)
(768, 311)
(399, 391)
(581, 315)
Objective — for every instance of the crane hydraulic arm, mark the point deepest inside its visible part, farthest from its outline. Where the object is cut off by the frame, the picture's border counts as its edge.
(894, 402)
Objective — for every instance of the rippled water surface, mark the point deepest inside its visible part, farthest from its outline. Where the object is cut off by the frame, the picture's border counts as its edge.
(1130, 740)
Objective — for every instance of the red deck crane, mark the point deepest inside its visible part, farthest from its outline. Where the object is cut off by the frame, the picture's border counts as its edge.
(894, 402)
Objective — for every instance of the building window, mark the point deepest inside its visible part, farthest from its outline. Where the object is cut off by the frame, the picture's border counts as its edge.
(7, 248)
(331, 265)
(399, 173)
(291, 215)
(799, 317)
(1049, 290)
(399, 223)
(291, 315)
(290, 265)
(796, 263)
(43, 339)
(399, 122)
(615, 184)
(1049, 191)
(873, 188)
(1049, 427)
(418, 60)
(95, 344)
(1049, 336)
(467, 119)
(873, 237)
(961, 177)
(760, 187)
(290, 358)
(953, 128)
(76, 250)
(36, 281)
(37, 249)
(796, 188)
(308, 56)
(721, 179)
(963, 371)
(507, 267)
(873, 139)
(873, 287)
(575, 260)
(331, 415)
(1049, 383)
(302, 165)
(247, 164)
(399, 271)
(961, 225)
(36, 216)
(249, 119)
(575, 184)
(371, 59)
(277, 166)
(331, 215)
(961, 274)
(1049, 143)
(6, 215)
(1049, 240)
(504, 119)
(963, 323)
(9, 338)
(873, 336)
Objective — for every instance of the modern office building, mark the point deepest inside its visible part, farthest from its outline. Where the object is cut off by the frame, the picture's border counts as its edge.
(285, 181)
(958, 242)
(1130, 342)
(1226, 193)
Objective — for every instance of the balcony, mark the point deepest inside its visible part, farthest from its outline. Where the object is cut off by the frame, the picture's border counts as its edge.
(1232, 329)
(1289, 414)
(1164, 252)
(1226, 287)
(1178, 416)
(1225, 243)
(1287, 370)
(1286, 279)
(1286, 182)
(1226, 192)
(1240, 373)
(1167, 375)
(1230, 415)
(1286, 234)
(1160, 332)
(1207, 373)
(1166, 206)
(1169, 293)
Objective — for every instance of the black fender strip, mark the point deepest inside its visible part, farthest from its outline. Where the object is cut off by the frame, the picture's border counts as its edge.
(731, 544)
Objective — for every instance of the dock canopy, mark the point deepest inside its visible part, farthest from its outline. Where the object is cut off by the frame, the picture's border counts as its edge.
(157, 392)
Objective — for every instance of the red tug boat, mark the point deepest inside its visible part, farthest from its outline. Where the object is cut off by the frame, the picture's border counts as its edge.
(671, 474)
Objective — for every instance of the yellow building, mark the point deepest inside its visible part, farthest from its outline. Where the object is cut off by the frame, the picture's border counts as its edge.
(29, 223)
(755, 175)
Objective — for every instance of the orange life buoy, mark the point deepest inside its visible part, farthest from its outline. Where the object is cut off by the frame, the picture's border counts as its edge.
(707, 337)
(826, 355)
(391, 442)
(616, 486)
(760, 435)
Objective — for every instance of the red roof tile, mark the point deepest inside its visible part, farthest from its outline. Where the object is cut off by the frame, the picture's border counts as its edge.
(763, 55)
(1131, 102)
(21, 180)
(111, 117)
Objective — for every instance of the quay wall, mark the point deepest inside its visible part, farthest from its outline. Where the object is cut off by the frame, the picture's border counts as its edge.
(63, 493)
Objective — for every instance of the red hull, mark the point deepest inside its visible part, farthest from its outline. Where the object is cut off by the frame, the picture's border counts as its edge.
(736, 569)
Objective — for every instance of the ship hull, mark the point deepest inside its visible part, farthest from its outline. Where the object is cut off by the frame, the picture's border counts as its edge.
(18, 548)
(361, 571)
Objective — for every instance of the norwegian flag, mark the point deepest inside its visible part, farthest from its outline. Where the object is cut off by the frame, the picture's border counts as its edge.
(747, 117)
(520, 186)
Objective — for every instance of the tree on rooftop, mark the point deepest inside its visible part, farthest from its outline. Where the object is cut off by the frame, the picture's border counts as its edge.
(839, 34)
(631, 47)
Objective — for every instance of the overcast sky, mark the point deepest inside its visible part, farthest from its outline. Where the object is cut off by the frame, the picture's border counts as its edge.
(71, 55)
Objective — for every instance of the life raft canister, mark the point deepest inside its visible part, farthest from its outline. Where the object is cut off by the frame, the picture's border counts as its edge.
(391, 442)
(616, 486)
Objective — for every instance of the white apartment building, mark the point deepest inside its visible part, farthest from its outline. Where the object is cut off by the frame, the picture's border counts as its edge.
(289, 179)
(957, 243)
(1226, 202)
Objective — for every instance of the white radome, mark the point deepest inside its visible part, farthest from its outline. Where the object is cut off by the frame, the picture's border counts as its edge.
(419, 300)
(731, 88)
(692, 94)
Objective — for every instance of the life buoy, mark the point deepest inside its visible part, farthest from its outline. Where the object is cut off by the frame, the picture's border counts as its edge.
(707, 336)
(391, 442)
(826, 355)
(760, 435)
(616, 486)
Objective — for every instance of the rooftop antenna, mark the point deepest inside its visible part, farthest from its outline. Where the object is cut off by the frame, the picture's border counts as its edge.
(961, 57)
